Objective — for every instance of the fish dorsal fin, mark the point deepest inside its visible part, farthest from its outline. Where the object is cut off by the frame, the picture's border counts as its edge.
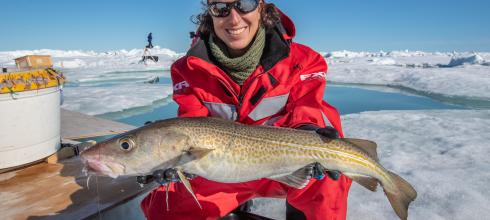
(194, 153)
(187, 185)
(368, 146)
(298, 179)
(366, 181)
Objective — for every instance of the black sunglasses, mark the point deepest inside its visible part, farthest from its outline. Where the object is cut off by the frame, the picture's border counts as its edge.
(223, 9)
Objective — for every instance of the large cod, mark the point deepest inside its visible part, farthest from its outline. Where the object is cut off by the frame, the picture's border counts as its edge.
(229, 152)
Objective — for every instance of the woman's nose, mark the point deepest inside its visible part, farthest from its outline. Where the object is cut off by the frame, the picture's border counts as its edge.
(234, 17)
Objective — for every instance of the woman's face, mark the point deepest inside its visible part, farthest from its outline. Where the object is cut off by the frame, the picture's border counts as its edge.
(237, 29)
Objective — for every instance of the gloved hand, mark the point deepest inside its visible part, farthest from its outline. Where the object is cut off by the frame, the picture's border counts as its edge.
(318, 169)
(162, 177)
(328, 132)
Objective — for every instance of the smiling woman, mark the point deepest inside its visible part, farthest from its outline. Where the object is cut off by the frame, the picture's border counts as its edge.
(240, 28)
(244, 67)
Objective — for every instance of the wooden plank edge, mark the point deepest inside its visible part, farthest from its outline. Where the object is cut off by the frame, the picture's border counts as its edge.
(97, 135)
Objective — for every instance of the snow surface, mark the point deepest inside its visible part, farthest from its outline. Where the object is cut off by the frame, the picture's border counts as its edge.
(461, 75)
(474, 59)
(125, 59)
(444, 154)
(104, 82)
(449, 74)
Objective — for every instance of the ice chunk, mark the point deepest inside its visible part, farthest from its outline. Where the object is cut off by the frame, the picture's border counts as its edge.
(458, 61)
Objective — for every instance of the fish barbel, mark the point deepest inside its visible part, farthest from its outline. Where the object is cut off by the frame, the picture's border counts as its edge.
(229, 152)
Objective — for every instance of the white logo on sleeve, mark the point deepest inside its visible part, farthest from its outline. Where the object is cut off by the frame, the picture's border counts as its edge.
(309, 76)
(181, 85)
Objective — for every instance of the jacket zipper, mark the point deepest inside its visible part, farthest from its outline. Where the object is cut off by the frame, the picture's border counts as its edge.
(253, 80)
(239, 96)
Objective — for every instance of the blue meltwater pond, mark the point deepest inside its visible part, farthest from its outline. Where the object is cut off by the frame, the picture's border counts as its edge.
(347, 99)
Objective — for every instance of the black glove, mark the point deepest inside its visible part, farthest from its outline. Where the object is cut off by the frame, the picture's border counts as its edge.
(318, 169)
(162, 177)
(328, 132)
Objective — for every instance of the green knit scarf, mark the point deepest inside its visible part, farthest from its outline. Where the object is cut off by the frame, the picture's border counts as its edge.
(238, 68)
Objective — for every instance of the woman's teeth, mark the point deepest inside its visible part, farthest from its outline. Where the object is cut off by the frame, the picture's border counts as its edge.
(235, 31)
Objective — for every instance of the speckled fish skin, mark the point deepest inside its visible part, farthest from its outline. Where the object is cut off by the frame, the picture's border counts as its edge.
(229, 152)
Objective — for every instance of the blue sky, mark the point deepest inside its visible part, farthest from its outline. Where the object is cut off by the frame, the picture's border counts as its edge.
(325, 25)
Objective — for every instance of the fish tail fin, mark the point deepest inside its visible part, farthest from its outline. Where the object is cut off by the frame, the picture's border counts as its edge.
(400, 195)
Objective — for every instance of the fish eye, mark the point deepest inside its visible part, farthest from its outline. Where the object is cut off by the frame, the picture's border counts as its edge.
(126, 144)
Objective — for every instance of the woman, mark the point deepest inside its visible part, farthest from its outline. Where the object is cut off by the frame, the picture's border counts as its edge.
(243, 66)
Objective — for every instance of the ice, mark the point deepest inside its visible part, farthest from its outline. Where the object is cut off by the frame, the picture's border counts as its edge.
(102, 82)
(92, 92)
(382, 61)
(414, 70)
(419, 71)
(473, 59)
(119, 59)
(99, 100)
(443, 153)
(354, 54)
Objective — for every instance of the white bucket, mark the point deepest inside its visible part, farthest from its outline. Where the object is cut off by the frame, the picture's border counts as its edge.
(29, 126)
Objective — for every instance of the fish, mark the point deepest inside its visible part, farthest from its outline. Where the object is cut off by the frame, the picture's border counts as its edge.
(229, 152)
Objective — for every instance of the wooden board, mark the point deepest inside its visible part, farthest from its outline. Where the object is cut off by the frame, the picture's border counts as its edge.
(76, 125)
(59, 191)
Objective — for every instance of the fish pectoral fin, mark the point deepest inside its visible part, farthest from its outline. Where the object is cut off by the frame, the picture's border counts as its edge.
(198, 152)
(298, 179)
(194, 153)
(366, 181)
(187, 185)
(368, 146)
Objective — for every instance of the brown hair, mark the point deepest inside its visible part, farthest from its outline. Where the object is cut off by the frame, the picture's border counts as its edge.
(269, 18)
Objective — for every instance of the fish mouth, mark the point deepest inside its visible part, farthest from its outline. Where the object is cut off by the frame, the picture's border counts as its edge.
(111, 169)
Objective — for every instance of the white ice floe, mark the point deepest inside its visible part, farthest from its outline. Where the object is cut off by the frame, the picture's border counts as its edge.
(101, 82)
(382, 61)
(394, 54)
(98, 100)
(444, 154)
(96, 92)
(420, 71)
(120, 59)
(423, 72)
(468, 60)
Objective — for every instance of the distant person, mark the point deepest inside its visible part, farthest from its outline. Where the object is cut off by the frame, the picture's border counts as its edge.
(150, 38)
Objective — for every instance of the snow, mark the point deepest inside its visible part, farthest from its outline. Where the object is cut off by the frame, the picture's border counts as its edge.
(448, 74)
(102, 82)
(98, 100)
(383, 61)
(454, 74)
(127, 56)
(458, 61)
(444, 154)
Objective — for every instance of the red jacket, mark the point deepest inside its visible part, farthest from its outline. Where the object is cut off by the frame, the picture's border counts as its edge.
(285, 90)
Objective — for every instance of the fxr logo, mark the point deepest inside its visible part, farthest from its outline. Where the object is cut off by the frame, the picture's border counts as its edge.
(312, 76)
(181, 85)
